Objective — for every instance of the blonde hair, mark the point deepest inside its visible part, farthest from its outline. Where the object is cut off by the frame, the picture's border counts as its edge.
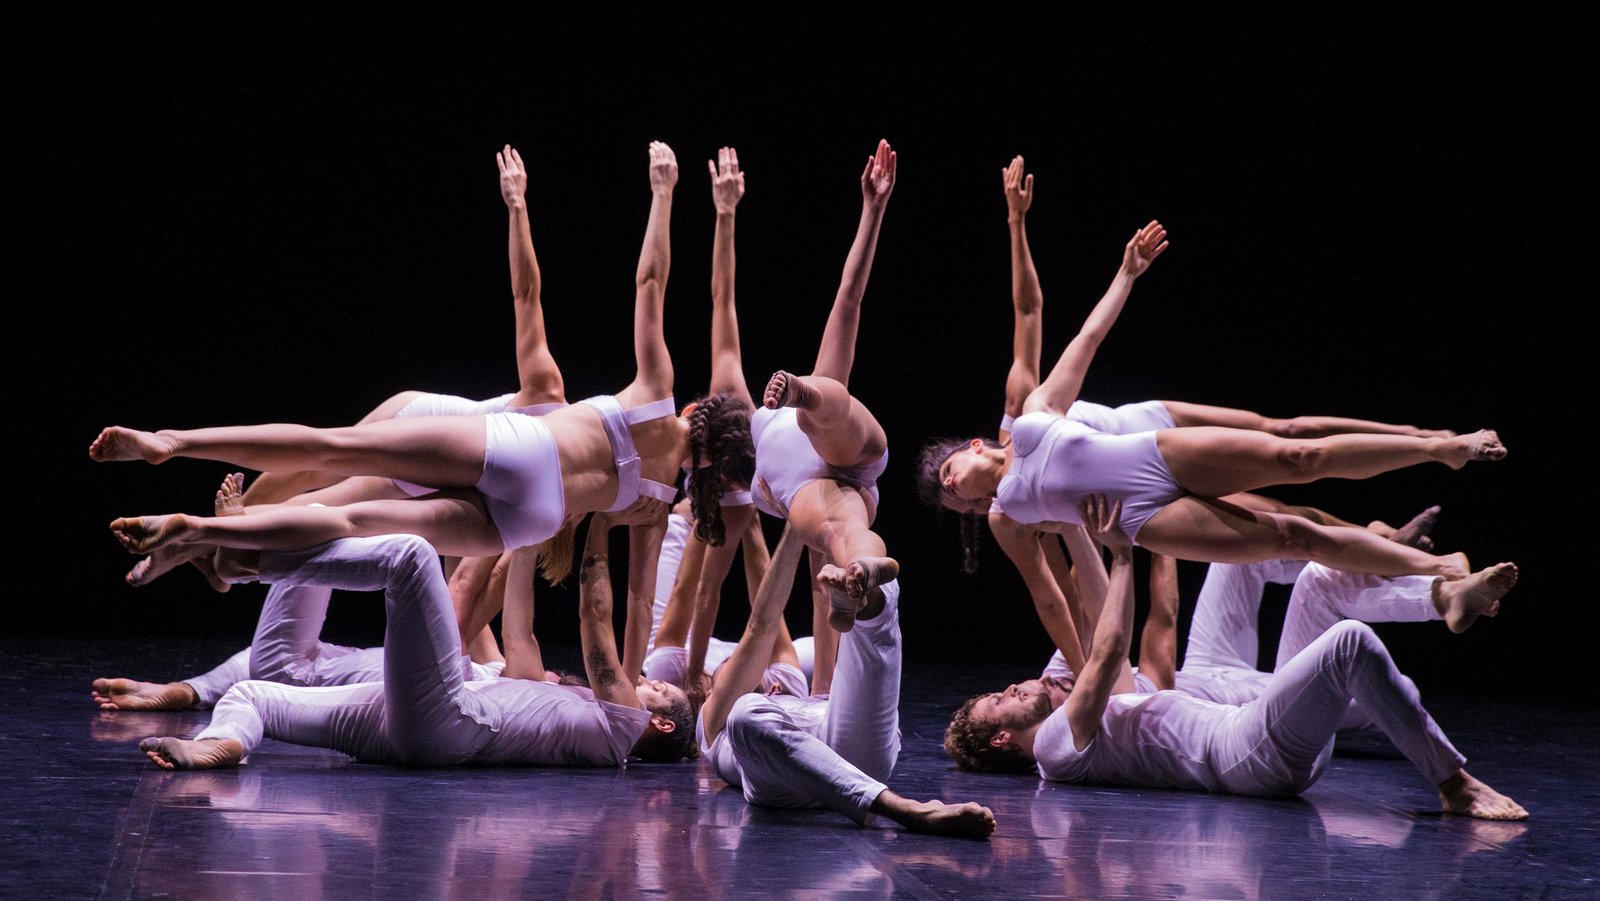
(555, 554)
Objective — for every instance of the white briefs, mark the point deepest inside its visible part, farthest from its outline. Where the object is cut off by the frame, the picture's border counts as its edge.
(786, 461)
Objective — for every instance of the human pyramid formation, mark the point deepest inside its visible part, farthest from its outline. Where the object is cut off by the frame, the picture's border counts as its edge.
(450, 506)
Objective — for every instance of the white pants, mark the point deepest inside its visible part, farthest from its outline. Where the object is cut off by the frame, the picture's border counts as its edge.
(1280, 743)
(288, 648)
(422, 712)
(829, 751)
(1323, 596)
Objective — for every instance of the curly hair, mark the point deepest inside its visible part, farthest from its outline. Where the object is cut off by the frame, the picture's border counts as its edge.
(967, 740)
(933, 455)
(719, 433)
(655, 746)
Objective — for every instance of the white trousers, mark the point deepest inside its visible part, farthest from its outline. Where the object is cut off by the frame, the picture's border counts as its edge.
(421, 714)
(829, 751)
(1280, 743)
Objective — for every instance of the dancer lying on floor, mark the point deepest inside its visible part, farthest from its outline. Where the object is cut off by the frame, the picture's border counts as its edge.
(1100, 732)
(788, 750)
(423, 713)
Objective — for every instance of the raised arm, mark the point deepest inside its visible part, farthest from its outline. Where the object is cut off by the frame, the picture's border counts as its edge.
(644, 550)
(653, 379)
(1061, 388)
(595, 627)
(742, 670)
(727, 366)
(538, 376)
(1158, 643)
(1089, 575)
(1026, 548)
(523, 658)
(1113, 637)
(708, 580)
(1027, 300)
(837, 353)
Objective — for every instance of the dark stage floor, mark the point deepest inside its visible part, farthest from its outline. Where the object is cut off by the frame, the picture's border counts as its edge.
(85, 815)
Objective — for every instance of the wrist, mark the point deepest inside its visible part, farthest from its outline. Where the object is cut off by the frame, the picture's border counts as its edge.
(517, 205)
(724, 215)
(1016, 217)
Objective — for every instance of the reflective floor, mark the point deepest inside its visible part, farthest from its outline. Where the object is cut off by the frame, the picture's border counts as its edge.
(86, 816)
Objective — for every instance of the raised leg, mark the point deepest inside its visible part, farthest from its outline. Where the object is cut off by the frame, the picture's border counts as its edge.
(438, 451)
(454, 522)
(841, 429)
(835, 518)
(1193, 528)
(863, 719)
(1226, 613)
(1187, 414)
(1214, 462)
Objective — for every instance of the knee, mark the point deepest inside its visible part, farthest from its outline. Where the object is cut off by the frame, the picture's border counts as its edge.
(1300, 457)
(751, 722)
(1355, 637)
(408, 556)
(1299, 538)
(1298, 427)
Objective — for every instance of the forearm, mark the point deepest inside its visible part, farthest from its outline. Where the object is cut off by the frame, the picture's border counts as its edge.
(644, 549)
(1158, 644)
(524, 264)
(727, 366)
(655, 257)
(594, 614)
(858, 264)
(1024, 548)
(1065, 381)
(523, 659)
(1089, 576)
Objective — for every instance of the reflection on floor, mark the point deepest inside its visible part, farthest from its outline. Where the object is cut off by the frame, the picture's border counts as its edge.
(86, 815)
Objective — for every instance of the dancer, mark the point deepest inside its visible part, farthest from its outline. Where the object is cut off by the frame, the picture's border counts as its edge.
(1176, 484)
(1278, 745)
(782, 750)
(819, 451)
(505, 480)
(423, 713)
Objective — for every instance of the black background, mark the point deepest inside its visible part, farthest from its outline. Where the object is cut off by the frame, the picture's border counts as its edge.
(246, 219)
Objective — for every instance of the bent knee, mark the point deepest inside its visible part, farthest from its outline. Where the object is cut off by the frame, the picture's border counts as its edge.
(751, 721)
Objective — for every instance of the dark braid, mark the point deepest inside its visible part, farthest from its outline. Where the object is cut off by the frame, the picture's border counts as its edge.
(971, 540)
(719, 432)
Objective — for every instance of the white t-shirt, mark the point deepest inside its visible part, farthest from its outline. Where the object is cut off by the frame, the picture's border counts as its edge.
(543, 723)
(1158, 740)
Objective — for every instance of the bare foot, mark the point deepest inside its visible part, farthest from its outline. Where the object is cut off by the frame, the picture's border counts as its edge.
(1480, 445)
(234, 565)
(867, 573)
(143, 534)
(785, 389)
(202, 754)
(841, 608)
(116, 443)
(161, 561)
(230, 497)
(1455, 566)
(968, 820)
(218, 582)
(1416, 532)
(1467, 796)
(1479, 594)
(130, 694)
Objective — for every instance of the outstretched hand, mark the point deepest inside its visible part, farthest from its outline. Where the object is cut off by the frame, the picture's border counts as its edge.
(513, 176)
(877, 180)
(1146, 244)
(1019, 188)
(663, 167)
(1102, 520)
(727, 182)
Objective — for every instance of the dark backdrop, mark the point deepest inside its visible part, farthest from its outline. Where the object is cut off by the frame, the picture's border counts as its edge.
(243, 220)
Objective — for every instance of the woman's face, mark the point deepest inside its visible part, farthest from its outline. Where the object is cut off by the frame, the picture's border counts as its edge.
(966, 484)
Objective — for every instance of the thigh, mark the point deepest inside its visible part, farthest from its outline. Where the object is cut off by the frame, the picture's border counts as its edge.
(350, 491)
(456, 523)
(1213, 462)
(288, 632)
(823, 505)
(436, 451)
(1283, 740)
(1188, 415)
(349, 719)
(1212, 531)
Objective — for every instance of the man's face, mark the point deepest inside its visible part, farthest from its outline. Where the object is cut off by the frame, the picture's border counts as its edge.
(1023, 703)
(657, 695)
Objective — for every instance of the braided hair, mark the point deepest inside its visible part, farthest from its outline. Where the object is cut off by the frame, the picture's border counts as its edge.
(933, 455)
(719, 434)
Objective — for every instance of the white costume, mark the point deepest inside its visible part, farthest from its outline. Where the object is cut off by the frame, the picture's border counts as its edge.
(287, 648)
(671, 662)
(1146, 416)
(786, 461)
(832, 751)
(423, 713)
(1276, 745)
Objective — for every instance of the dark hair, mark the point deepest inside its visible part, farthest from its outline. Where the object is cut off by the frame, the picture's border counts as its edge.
(968, 741)
(655, 746)
(933, 455)
(719, 433)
